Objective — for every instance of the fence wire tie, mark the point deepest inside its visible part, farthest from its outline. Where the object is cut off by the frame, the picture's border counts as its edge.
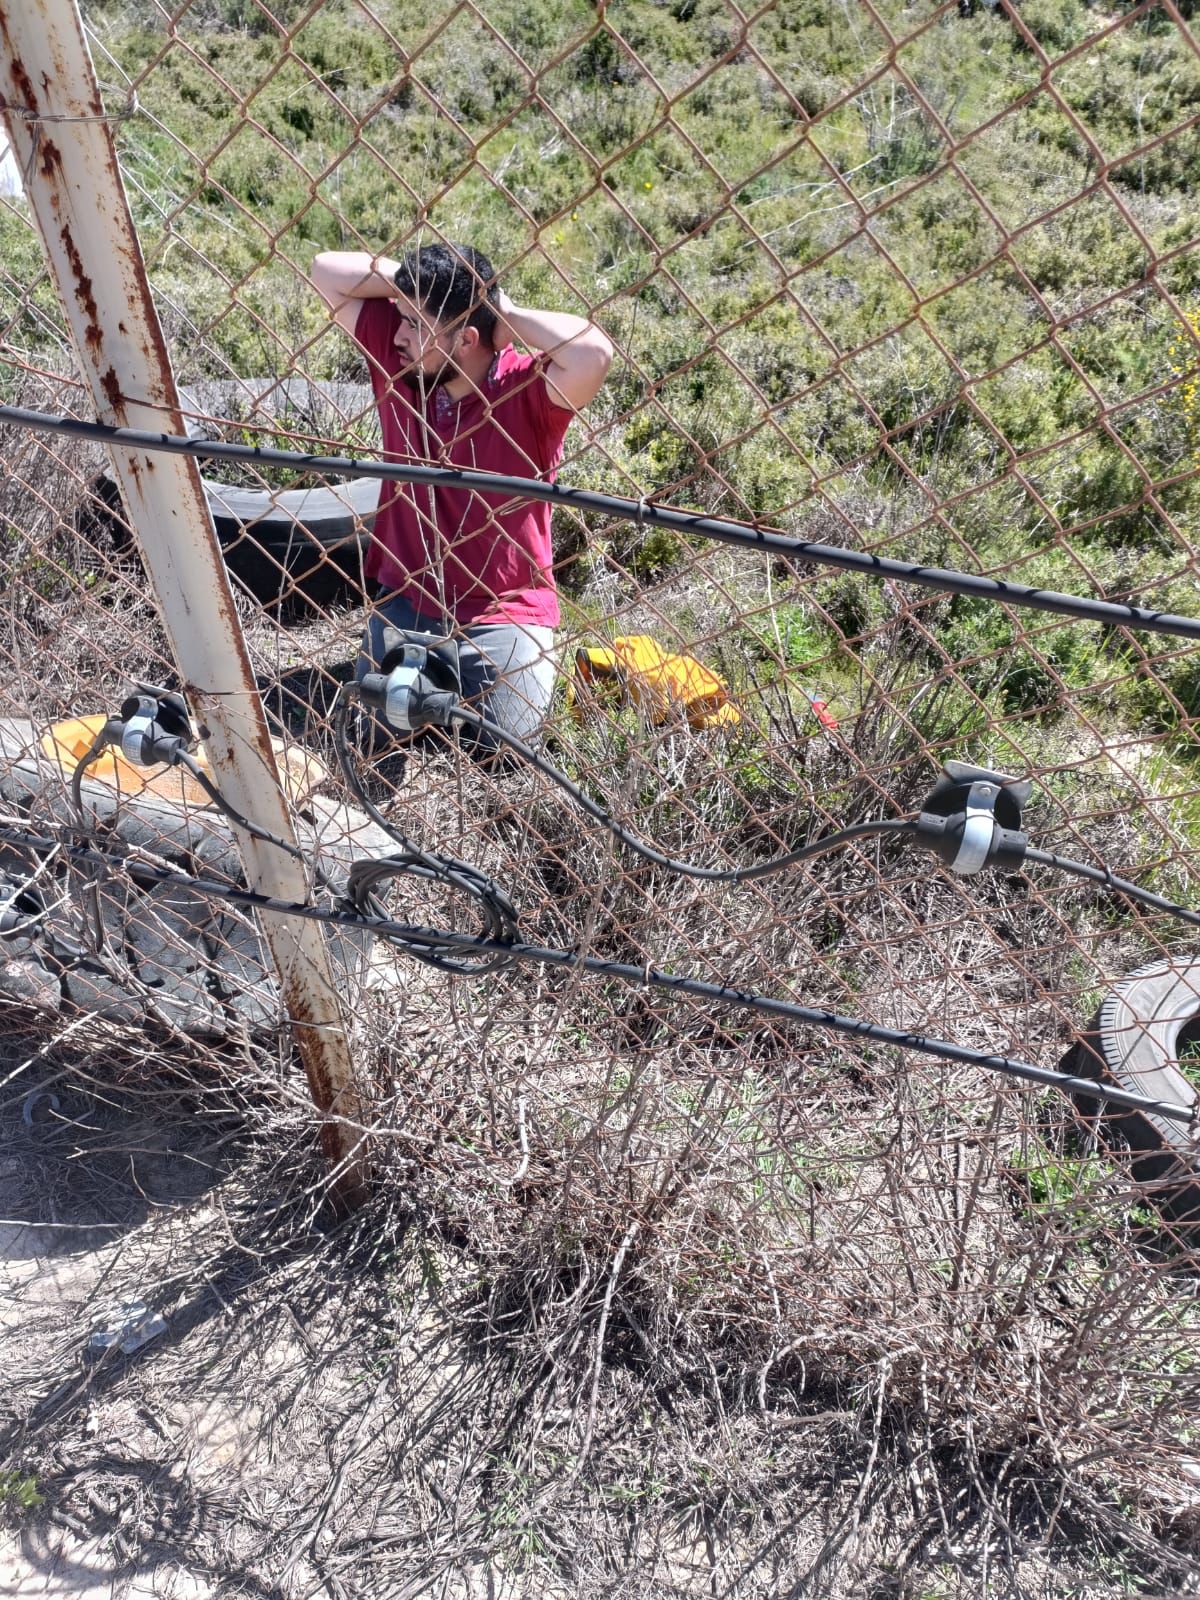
(38, 119)
(131, 108)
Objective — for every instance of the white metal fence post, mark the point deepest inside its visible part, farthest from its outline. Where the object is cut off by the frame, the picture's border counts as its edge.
(64, 145)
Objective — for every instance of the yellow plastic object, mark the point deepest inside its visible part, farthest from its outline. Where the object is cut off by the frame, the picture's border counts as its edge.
(68, 742)
(638, 671)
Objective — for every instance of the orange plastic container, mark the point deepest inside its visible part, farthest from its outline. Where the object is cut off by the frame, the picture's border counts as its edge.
(68, 742)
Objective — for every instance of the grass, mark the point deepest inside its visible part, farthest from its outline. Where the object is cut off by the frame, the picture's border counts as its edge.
(1188, 1061)
(20, 1494)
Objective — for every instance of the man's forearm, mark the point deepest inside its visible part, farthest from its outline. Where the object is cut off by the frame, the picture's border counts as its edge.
(342, 275)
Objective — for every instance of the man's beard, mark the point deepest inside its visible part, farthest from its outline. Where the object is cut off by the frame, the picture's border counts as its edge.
(418, 378)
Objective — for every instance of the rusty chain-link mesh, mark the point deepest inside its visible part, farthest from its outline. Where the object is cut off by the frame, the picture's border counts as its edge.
(916, 279)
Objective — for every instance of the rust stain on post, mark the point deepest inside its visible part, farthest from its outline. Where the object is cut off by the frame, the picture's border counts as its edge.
(50, 157)
(20, 78)
(83, 288)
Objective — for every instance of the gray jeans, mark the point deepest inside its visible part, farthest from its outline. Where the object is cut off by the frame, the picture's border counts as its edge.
(508, 669)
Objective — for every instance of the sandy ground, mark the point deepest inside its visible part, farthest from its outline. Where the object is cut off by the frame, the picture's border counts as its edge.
(243, 1425)
(52, 1289)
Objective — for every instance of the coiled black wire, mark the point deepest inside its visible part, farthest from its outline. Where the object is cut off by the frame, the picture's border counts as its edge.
(498, 915)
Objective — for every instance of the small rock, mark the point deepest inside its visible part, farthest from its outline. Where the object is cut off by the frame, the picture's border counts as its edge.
(27, 983)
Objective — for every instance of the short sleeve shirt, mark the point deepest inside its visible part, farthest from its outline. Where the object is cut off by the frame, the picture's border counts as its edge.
(459, 553)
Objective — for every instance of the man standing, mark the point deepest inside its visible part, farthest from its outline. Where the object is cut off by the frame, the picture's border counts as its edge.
(451, 390)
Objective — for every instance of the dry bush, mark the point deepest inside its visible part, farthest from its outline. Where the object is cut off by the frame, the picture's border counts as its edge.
(646, 1285)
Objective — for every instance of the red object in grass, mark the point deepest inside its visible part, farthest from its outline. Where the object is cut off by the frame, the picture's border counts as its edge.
(820, 710)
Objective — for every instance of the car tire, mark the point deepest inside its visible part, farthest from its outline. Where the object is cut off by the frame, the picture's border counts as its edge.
(298, 546)
(1134, 1042)
(290, 549)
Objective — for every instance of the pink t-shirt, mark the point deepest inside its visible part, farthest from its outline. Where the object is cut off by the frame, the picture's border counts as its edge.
(478, 557)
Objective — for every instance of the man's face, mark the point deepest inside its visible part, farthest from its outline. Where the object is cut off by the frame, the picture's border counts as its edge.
(427, 347)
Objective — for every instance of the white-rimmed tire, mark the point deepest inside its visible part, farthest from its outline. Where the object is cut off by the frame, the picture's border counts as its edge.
(291, 548)
(1144, 1024)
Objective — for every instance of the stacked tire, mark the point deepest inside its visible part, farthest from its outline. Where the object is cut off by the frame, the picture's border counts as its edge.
(291, 549)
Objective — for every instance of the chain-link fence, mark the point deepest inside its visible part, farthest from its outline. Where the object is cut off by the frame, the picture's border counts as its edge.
(908, 279)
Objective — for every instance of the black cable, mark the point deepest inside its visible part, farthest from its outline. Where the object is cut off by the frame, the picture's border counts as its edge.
(761, 869)
(23, 910)
(406, 937)
(945, 579)
(99, 745)
(110, 735)
(346, 760)
(365, 878)
(1109, 880)
(106, 735)
(185, 759)
(499, 915)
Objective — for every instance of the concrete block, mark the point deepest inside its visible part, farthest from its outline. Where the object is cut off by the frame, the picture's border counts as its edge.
(97, 993)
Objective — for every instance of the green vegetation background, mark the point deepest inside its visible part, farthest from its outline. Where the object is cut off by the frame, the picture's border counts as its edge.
(974, 370)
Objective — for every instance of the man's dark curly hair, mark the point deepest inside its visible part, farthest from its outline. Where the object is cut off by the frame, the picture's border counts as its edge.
(452, 283)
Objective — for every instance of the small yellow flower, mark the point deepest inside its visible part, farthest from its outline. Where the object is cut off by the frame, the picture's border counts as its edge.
(647, 185)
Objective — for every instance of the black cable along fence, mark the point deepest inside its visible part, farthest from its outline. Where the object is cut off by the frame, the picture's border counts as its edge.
(899, 450)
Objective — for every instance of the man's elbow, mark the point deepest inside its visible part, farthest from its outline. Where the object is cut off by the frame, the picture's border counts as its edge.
(323, 277)
(604, 351)
(598, 357)
(577, 373)
(591, 366)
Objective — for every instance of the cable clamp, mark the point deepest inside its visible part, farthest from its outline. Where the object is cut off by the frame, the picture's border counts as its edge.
(419, 683)
(155, 727)
(134, 732)
(976, 840)
(401, 699)
(972, 819)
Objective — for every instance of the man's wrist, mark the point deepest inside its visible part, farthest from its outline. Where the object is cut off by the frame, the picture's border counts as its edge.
(505, 311)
